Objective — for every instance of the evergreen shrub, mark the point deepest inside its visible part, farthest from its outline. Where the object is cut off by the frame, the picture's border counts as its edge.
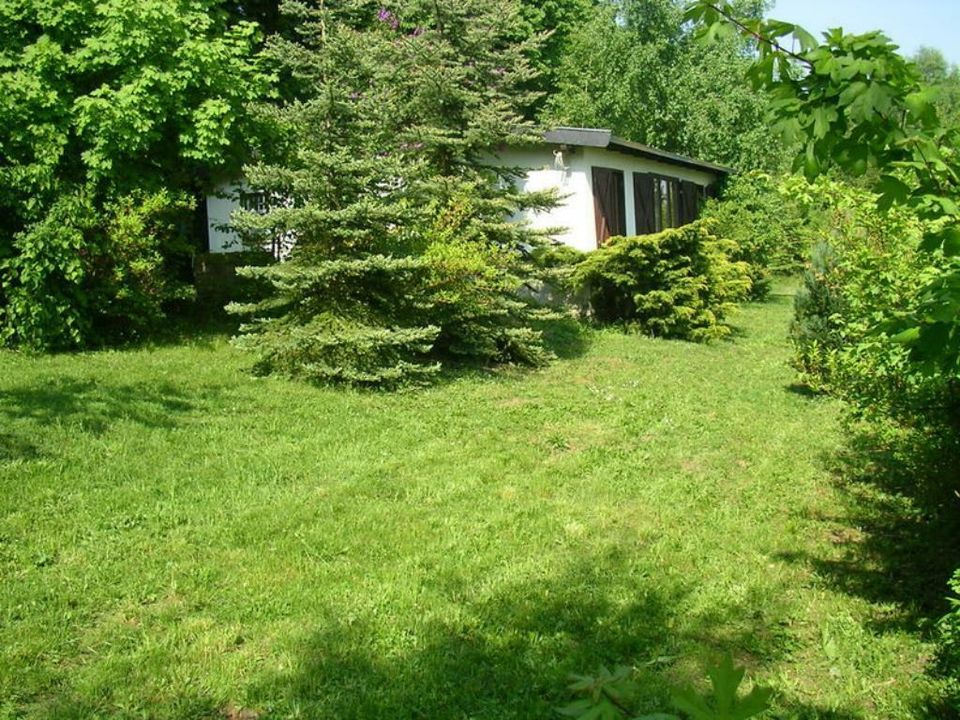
(681, 283)
(404, 256)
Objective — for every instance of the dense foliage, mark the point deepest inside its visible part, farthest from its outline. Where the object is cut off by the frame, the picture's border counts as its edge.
(404, 254)
(771, 229)
(949, 627)
(634, 67)
(866, 269)
(854, 103)
(554, 23)
(108, 111)
(681, 283)
(95, 272)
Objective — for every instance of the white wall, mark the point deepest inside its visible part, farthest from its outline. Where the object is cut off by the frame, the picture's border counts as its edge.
(224, 200)
(576, 213)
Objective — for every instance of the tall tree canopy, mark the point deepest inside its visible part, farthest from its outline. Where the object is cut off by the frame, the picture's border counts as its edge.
(634, 67)
(101, 101)
(556, 22)
(943, 77)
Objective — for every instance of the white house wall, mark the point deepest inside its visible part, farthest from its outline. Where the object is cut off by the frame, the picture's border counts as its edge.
(220, 204)
(576, 213)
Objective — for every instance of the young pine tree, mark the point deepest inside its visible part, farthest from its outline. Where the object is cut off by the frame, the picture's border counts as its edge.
(403, 254)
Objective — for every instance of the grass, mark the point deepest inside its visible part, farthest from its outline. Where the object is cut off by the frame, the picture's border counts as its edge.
(181, 540)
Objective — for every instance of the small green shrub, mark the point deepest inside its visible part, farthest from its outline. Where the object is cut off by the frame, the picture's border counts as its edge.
(91, 273)
(770, 227)
(815, 329)
(949, 640)
(680, 283)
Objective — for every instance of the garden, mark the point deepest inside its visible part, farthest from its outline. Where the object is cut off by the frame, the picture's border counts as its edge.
(182, 541)
(432, 463)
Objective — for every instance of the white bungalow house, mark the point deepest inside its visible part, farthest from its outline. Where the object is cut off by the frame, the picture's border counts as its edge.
(611, 187)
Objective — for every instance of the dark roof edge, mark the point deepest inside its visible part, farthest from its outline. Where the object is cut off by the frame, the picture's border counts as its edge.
(600, 138)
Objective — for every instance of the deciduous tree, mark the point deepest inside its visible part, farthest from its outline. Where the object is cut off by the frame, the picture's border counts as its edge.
(633, 67)
(101, 101)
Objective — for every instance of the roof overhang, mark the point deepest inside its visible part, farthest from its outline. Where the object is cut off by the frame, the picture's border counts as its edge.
(605, 139)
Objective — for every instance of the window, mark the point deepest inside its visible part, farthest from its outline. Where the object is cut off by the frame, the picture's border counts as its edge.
(254, 202)
(666, 203)
(662, 202)
(609, 204)
(279, 245)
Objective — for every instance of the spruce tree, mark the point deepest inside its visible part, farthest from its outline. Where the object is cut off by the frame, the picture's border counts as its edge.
(403, 254)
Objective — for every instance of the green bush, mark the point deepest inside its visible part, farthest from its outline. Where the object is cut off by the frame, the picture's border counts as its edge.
(770, 227)
(866, 271)
(949, 635)
(84, 275)
(102, 104)
(680, 283)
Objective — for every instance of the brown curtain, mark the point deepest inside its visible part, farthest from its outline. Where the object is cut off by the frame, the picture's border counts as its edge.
(609, 204)
(689, 202)
(644, 202)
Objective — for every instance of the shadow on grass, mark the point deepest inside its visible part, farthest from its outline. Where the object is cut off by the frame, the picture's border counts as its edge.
(511, 655)
(17, 447)
(192, 705)
(505, 655)
(87, 405)
(804, 390)
(567, 337)
(189, 324)
(899, 537)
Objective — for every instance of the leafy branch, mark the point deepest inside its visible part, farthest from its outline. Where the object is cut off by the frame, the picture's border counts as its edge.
(860, 106)
(605, 697)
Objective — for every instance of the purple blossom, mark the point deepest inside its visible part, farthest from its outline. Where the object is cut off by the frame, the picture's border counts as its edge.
(385, 16)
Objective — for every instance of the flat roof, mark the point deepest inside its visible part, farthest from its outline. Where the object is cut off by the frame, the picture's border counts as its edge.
(599, 138)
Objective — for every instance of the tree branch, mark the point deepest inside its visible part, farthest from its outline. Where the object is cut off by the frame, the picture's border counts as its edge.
(775, 45)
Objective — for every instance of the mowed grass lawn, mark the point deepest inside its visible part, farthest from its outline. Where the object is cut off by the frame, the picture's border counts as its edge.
(181, 540)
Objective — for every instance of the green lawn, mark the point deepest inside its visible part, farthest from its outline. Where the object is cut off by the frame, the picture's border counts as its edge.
(179, 539)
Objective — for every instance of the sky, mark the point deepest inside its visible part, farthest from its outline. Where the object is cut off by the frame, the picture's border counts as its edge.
(909, 23)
